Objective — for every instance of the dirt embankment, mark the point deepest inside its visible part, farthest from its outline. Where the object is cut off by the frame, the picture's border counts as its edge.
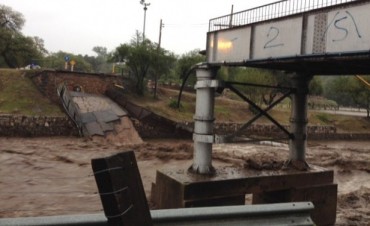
(53, 176)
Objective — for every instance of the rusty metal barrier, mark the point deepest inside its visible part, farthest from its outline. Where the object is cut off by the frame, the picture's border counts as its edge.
(70, 107)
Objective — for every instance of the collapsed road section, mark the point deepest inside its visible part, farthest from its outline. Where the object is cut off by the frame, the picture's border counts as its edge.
(97, 116)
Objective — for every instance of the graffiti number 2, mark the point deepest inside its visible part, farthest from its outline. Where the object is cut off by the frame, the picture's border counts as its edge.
(272, 35)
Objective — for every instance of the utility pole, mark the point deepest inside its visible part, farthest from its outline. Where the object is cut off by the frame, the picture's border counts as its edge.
(230, 25)
(231, 16)
(161, 25)
(145, 8)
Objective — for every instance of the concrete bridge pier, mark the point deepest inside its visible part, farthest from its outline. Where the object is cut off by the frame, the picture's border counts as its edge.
(298, 121)
(203, 120)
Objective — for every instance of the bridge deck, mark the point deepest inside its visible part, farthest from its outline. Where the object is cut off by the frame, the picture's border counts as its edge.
(334, 64)
(319, 37)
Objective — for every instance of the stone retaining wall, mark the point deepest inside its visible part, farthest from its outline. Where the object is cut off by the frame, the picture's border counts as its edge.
(36, 126)
(154, 129)
(48, 81)
(314, 132)
(269, 130)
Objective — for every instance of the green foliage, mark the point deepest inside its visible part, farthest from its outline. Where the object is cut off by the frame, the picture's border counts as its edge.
(56, 61)
(144, 60)
(348, 91)
(316, 88)
(261, 95)
(99, 64)
(323, 117)
(139, 56)
(336, 88)
(258, 95)
(170, 78)
(17, 50)
(173, 104)
(163, 65)
(10, 19)
(361, 93)
(321, 103)
(185, 62)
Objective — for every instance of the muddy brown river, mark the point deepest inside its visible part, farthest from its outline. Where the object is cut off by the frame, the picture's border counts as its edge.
(52, 176)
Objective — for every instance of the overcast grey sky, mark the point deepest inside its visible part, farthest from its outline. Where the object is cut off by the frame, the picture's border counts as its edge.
(76, 26)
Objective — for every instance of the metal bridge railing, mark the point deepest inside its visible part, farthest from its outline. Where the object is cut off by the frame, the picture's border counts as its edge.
(271, 11)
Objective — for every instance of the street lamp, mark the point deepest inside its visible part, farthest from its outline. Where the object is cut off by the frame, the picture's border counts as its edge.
(145, 8)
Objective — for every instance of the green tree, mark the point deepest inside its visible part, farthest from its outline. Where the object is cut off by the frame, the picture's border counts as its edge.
(316, 87)
(39, 45)
(17, 50)
(349, 91)
(164, 62)
(360, 92)
(143, 58)
(257, 94)
(10, 20)
(56, 61)
(336, 88)
(100, 62)
(186, 61)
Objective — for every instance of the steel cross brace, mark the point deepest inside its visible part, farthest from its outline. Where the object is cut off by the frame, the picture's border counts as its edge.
(262, 112)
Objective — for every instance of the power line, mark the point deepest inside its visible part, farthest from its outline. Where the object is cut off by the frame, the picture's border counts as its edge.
(201, 24)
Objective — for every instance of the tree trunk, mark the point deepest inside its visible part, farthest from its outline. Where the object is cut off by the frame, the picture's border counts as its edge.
(140, 86)
(368, 107)
(155, 86)
(7, 60)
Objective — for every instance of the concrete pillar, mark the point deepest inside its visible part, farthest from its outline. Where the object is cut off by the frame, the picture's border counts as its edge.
(203, 120)
(298, 121)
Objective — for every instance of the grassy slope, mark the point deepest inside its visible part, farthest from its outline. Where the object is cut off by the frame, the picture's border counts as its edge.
(227, 110)
(18, 95)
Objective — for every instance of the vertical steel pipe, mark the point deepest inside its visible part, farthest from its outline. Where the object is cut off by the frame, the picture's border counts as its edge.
(203, 121)
(298, 120)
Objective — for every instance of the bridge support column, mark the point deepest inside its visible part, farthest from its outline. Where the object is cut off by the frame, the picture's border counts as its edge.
(203, 120)
(298, 122)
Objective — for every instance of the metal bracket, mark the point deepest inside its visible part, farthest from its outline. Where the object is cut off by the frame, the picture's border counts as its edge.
(221, 139)
(203, 138)
(203, 118)
(215, 139)
(209, 84)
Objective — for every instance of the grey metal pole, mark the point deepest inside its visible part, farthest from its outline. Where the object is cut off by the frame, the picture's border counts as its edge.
(145, 8)
(298, 121)
(204, 117)
(142, 2)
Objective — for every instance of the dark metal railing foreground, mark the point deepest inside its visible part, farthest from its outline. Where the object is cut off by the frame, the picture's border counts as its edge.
(271, 11)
